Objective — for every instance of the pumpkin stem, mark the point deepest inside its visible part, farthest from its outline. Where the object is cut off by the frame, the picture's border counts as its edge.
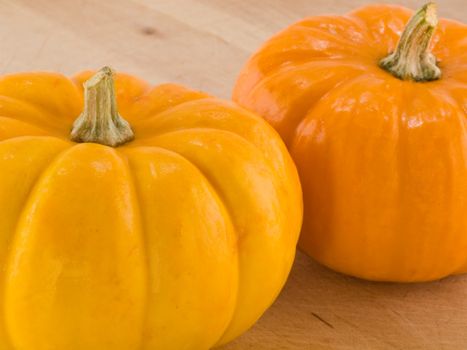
(100, 121)
(412, 59)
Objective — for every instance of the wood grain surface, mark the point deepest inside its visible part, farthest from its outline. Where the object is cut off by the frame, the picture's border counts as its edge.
(203, 44)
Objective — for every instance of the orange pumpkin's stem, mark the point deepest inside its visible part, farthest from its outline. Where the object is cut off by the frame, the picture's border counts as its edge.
(100, 121)
(412, 59)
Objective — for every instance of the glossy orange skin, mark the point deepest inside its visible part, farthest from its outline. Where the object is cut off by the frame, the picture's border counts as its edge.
(383, 162)
(179, 239)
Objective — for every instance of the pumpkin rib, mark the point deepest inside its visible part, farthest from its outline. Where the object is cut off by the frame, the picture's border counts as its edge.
(143, 237)
(220, 116)
(269, 59)
(454, 71)
(153, 143)
(216, 192)
(328, 23)
(193, 128)
(36, 137)
(123, 295)
(304, 102)
(452, 35)
(339, 87)
(308, 63)
(44, 116)
(283, 71)
(363, 28)
(25, 200)
(287, 67)
(253, 314)
(149, 140)
(21, 125)
(169, 110)
(312, 27)
(306, 66)
(155, 146)
(350, 46)
(324, 173)
(193, 105)
(442, 101)
(456, 103)
(34, 89)
(228, 209)
(383, 13)
(234, 119)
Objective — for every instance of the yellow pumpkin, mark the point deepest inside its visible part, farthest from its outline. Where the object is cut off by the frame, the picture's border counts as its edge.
(179, 238)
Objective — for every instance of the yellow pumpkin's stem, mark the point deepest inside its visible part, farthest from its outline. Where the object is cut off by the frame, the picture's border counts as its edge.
(100, 121)
(412, 59)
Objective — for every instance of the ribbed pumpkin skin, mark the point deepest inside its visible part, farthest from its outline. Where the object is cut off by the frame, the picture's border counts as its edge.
(383, 162)
(177, 240)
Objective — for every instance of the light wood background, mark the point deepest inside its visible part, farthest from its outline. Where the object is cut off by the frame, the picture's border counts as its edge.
(203, 44)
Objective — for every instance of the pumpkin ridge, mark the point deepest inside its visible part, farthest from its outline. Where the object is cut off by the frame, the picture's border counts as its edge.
(216, 192)
(269, 49)
(14, 235)
(138, 214)
(182, 129)
(52, 95)
(246, 123)
(462, 116)
(28, 123)
(168, 110)
(52, 137)
(397, 12)
(226, 337)
(231, 216)
(39, 131)
(37, 181)
(437, 98)
(150, 89)
(311, 62)
(356, 47)
(45, 116)
(343, 19)
(285, 69)
(50, 174)
(340, 85)
(360, 24)
(136, 191)
(313, 102)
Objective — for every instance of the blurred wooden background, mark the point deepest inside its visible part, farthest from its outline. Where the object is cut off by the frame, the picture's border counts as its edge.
(200, 43)
(203, 44)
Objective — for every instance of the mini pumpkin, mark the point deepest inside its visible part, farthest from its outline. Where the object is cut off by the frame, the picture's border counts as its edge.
(179, 238)
(374, 116)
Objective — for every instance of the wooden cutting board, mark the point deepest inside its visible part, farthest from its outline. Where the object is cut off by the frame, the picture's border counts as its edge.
(203, 44)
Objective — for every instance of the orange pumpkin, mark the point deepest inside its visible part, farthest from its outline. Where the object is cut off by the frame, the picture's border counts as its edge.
(374, 116)
(179, 238)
